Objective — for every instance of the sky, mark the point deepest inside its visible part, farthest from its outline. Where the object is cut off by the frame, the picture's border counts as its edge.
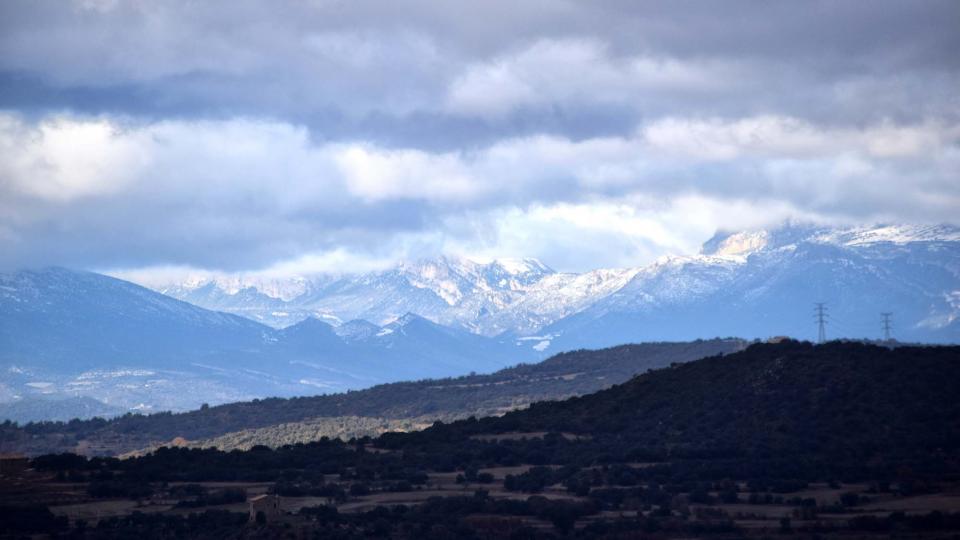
(313, 136)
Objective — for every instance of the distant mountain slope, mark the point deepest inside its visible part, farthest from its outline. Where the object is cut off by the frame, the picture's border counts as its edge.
(65, 333)
(37, 409)
(410, 347)
(64, 319)
(751, 283)
(564, 375)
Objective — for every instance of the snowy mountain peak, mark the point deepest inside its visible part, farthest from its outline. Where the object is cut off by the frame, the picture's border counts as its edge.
(356, 329)
(404, 320)
(894, 234)
(311, 322)
(518, 267)
(743, 243)
(523, 296)
(286, 288)
(736, 244)
(448, 265)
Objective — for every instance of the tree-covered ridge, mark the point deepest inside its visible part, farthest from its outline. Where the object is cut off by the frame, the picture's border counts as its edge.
(841, 404)
(561, 376)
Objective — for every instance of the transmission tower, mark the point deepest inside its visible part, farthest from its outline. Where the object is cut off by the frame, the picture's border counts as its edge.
(820, 313)
(887, 326)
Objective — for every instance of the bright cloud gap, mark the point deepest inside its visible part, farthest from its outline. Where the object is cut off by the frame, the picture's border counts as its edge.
(270, 197)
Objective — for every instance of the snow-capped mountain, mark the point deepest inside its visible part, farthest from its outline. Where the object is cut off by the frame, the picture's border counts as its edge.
(764, 283)
(523, 298)
(519, 296)
(447, 290)
(267, 300)
(69, 334)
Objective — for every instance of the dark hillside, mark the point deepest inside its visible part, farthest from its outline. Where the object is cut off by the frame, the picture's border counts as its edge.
(842, 404)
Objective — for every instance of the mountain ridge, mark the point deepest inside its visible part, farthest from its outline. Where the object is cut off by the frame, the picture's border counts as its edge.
(462, 293)
(69, 333)
(766, 408)
(560, 376)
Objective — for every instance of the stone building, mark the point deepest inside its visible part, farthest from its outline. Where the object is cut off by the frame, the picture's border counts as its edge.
(268, 505)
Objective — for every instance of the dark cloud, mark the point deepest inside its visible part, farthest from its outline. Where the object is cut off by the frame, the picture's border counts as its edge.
(243, 134)
(367, 66)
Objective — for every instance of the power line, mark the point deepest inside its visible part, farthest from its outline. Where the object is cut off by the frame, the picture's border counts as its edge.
(820, 312)
(887, 326)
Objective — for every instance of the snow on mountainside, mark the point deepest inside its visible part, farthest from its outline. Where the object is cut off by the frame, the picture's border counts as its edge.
(524, 297)
(735, 244)
(763, 283)
(279, 289)
(446, 290)
(552, 298)
(66, 334)
(742, 243)
(896, 234)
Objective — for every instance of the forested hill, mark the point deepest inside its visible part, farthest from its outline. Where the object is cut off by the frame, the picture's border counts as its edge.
(564, 375)
(838, 404)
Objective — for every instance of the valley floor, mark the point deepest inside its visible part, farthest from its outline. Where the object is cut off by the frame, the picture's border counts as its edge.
(481, 505)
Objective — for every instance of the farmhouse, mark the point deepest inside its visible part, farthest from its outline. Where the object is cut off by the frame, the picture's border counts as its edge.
(266, 505)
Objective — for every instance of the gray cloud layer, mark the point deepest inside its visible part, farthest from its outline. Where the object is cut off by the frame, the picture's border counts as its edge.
(244, 135)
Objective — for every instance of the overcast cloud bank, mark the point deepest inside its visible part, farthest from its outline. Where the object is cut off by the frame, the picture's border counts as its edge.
(317, 136)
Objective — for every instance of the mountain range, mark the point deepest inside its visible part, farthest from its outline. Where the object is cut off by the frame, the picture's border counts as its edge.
(67, 333)
(750, 283)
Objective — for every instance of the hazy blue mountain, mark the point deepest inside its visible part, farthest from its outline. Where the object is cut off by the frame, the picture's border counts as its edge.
(35, 409)
(410, 347)
(79, 334)
(63, 319)
(448, 349)
(262, 300)
(356, 330)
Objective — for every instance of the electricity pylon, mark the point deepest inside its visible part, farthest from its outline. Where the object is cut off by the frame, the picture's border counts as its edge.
(820, 312)
(887, 326)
